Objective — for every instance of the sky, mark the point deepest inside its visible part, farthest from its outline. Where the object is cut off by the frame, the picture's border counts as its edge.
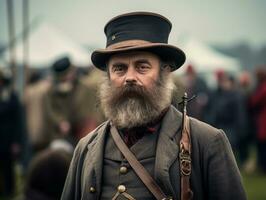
(224, 22)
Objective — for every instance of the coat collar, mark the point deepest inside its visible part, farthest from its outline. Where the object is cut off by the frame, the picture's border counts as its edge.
(167, 148)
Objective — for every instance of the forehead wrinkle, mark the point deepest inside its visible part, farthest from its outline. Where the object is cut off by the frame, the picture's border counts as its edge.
(142, 60)
(132, 58)
(117, 62)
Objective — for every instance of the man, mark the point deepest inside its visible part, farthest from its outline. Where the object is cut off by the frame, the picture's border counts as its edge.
(195, 85)
(258, 107)
(33, 100)
(41, 173)
(226, 97)
(136, 97)
(12, 133)
(69, 105)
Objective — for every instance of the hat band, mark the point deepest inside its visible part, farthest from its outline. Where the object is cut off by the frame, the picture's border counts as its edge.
(128, 43)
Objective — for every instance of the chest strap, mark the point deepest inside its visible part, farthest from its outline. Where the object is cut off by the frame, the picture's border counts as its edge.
(185, 161)
(142, 173)
(185, 154)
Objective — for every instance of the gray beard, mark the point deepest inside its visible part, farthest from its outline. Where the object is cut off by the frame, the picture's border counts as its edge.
(133, 106)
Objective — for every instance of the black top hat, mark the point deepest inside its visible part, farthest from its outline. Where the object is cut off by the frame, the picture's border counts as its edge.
(61, 65)
(139, 31)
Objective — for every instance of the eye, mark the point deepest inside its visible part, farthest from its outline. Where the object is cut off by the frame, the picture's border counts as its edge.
(143, 68)
(118, 68)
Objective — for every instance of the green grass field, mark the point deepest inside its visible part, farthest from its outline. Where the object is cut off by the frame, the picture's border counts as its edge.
(255, 186)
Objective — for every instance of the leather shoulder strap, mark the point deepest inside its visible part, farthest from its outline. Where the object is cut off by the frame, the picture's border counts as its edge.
(142, 173)
(185, 160)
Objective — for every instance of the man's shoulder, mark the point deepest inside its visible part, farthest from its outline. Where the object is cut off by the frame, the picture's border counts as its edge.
(202, 131)
(207, 139)
(199, 129)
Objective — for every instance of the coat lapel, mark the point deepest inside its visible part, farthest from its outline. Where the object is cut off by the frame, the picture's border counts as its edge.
(167, 148)
(97, 152)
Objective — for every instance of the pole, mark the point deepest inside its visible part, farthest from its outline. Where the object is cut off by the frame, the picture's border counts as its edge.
(25, 44)
(11, 35)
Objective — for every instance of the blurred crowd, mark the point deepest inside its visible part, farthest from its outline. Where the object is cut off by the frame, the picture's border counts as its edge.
(238, 106)
(39, 131)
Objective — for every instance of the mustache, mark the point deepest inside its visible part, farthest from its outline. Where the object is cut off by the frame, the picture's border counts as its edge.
(132, 87)
(127, 91)
(131, 90)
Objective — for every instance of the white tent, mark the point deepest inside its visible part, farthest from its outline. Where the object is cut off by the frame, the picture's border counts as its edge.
(46, 44)
(206, 60)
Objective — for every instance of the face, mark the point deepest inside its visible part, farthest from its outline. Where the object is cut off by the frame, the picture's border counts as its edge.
(139, 68)
(67, 76)
(136, 90)
(65, 82)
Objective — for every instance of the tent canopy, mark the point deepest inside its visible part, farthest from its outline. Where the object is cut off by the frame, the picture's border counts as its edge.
(46, 44)
(205, 59)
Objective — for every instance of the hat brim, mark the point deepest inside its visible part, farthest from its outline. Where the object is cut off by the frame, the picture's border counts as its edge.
(166, 52)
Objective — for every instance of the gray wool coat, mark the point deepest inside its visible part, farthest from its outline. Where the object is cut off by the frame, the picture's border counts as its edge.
(215, 175)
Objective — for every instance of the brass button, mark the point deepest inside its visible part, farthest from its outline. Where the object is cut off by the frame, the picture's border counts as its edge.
(121, 188)
(92, 189)
(123, 170)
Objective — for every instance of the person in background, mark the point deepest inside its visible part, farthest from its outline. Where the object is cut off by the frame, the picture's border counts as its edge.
(246, 86)
(70, 110)
(33, 100)
(11, 134)
(258, 105)
(226, 109)
(46, 175)
(194, 85)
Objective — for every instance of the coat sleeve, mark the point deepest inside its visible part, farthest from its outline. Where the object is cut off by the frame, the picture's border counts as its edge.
(72, 186)
(223, 176)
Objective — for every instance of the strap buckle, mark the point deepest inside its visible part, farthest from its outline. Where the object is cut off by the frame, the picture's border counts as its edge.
(185, 162)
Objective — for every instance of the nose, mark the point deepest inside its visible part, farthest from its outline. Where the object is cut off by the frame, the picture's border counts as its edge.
(131, 76)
